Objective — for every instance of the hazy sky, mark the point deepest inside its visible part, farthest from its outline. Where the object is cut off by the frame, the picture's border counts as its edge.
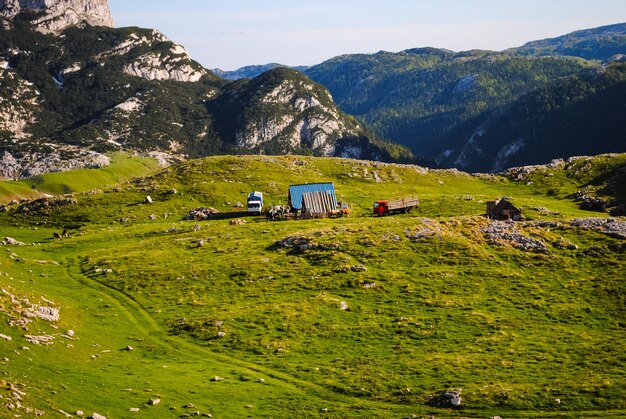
(232, 33)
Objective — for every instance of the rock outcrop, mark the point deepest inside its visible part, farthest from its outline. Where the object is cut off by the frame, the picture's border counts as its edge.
(19, 106)
(505, 233)
(166, 61)
(59, 160)
(317, 129)
(297, 114)
(177, 66)
(609, 226)
(57, 15)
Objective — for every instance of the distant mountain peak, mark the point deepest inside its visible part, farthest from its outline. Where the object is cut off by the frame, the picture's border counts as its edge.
(600, 43)
(251, 71)
(54, 16)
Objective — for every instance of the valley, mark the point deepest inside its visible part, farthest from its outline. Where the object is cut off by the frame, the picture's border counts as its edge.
(360, 316)
(464, 257)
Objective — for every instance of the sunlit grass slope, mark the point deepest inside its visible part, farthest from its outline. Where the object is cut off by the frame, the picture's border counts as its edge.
(121, 169)
(351, 317)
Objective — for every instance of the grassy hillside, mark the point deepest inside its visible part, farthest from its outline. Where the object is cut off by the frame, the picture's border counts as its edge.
(351, 317)
(121, 169)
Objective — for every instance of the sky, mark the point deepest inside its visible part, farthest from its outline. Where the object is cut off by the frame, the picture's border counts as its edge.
(229, 34)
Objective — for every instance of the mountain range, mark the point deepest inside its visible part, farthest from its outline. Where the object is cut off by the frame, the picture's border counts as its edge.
(74, 89)
(72, 94)
(486, 110)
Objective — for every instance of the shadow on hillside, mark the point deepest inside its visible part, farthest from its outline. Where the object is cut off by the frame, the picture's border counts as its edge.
(236, 215)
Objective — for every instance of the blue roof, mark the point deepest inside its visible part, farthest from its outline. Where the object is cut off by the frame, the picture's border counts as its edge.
(296, 192)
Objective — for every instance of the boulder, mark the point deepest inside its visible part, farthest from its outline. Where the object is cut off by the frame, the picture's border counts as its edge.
(48, 313)
(450, 399)
(10, 241)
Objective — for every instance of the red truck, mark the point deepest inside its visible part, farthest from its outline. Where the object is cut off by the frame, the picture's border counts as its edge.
(385, 207)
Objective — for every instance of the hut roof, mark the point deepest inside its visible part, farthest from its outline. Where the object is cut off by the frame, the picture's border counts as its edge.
(502, 205)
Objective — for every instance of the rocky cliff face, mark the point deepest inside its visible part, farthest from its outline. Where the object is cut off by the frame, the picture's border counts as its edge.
(174, 64)
(18, 108)
(54, 16)
(297, 114)
(152, 56)
(304, 123)
(49, 159)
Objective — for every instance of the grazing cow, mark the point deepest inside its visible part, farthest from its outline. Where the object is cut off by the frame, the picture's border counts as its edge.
(278, 212)
(57, 236)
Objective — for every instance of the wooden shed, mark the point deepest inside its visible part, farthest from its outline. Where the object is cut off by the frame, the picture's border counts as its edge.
(503, 210)
(313, 199)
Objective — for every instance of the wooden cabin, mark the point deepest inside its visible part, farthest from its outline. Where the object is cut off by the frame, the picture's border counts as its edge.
(503, 210)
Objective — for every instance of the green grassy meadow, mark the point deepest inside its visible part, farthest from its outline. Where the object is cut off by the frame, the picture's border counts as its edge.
(349, 317)
(121, 169)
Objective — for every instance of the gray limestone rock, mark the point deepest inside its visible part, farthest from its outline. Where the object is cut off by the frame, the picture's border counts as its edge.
(59, 15)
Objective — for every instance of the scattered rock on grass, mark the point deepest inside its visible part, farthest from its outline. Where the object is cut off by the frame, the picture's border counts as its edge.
(429, 229)
(45, 204)
(545, 211)
(48, 313)
(447, 399)
(10, 241)
(302, 244)
(505, 232)
(564, 244)
(201, 213)
(154, 402)
(589, 202)
(40, 340)
(609, 226)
